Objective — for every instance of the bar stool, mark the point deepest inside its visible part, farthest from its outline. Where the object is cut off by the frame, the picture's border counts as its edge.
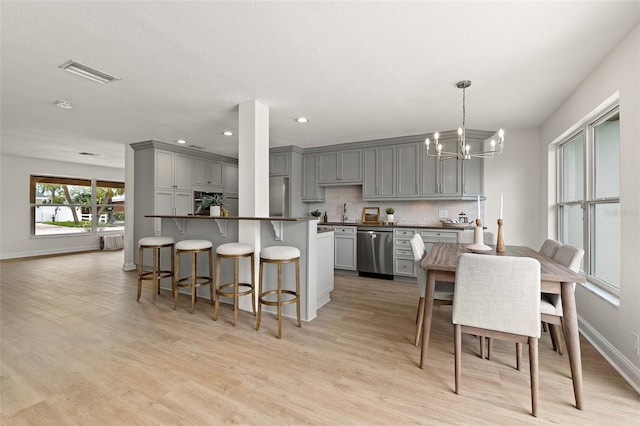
(279, 255)
(156, 274)
(193, 247)
(235, 251)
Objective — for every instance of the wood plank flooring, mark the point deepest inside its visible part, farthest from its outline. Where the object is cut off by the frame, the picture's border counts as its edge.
(76, 349)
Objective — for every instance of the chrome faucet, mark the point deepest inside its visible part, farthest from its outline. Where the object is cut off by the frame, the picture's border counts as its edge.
(345, 216)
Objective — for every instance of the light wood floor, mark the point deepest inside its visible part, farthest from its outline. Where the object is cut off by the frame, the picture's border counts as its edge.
(78, 349)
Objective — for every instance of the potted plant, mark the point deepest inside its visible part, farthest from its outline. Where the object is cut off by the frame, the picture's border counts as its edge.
(390, 211)
(316, 213)
(213, 202)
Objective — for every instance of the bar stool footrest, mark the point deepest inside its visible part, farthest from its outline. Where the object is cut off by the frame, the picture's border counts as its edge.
(186, 282)
(159, 275)
(247, 286)
(275, 303)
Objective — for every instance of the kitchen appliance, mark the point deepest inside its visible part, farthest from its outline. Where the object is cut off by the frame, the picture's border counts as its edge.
(197, 201)
(278, 196)
(375, 252)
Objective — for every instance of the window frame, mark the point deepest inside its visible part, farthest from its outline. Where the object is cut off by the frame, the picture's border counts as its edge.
(589, 200)
(94, 206)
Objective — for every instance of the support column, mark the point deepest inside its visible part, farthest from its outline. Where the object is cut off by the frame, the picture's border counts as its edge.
(253, 177)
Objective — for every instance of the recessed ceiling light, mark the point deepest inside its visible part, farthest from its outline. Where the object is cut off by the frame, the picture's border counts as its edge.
(302, 120)
(227, 133)
(64, 104)
(90, 154)
(87, 72)
(181, 141)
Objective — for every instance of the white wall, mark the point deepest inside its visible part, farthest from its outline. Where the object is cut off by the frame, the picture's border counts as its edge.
(514, 174)
(608, 326)
(15, 238)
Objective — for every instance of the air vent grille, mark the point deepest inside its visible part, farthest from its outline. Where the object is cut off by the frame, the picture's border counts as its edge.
(196, 147)
(87, 72)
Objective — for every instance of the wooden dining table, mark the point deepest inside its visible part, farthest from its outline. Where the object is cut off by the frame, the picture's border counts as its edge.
(440, 264)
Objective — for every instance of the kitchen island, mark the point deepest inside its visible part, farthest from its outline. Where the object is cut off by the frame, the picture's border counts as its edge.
(274, 231)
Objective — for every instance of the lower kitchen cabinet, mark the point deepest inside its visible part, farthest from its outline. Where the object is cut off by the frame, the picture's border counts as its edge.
(403, 263)
(346, 246)
(432, 236)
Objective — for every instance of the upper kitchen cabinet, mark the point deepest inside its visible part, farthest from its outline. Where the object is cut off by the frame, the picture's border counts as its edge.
(230, 180)
(409, 170)
(441, 178)
(286, 162)
(311, 192)
(379, 173)
(207, 172)
(454, 179)
(340, 167)
(172, 170)
(279, 163)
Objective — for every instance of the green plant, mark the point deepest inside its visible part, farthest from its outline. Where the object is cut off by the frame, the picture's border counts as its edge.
(316, 213)
(212, 200)
(390, 210)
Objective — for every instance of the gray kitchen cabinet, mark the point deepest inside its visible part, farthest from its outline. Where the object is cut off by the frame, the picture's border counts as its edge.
(172, 170)
(230, 180)
(432, 236)
(208, 173)
(340, 167)
(279, 163)
(346, 248)
(409, 169)
(473, 172)
(403, 263)
(441, 178)
(311, 192)
(379, 173)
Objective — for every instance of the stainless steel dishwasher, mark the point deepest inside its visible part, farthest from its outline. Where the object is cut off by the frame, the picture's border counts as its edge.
(375, 252)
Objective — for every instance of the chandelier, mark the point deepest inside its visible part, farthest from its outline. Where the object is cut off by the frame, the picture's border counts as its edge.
(435, 149)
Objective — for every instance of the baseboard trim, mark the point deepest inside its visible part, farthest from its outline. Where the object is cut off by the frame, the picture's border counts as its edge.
(618, 361)
(49, 252)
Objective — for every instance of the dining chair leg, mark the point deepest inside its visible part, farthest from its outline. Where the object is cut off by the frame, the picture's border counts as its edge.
(482, 346)
(518, 356)
(457, 331)
(544, 326)
(420, 319)
(554, 338)
(533, 371)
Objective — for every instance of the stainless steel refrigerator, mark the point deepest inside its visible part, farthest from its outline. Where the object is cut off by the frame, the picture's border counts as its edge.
(278, 196)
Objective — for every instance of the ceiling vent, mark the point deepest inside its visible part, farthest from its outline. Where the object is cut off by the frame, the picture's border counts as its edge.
(88, 72)
(196, 147)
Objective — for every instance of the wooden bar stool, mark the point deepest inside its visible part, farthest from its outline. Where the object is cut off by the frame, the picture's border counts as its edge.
(156, 274)
(193, 247)
(235, 251)
(279, 255)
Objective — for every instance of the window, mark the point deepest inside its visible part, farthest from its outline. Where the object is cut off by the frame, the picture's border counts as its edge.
(589, 197)
(61, 205)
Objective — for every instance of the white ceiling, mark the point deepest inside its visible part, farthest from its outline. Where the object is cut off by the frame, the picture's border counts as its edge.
(358, 70)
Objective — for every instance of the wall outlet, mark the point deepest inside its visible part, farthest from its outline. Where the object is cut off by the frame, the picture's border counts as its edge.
(443, 214)
(636, 343)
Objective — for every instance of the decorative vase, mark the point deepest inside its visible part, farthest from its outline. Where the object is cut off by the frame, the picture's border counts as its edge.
(214, 211)
(390, 217)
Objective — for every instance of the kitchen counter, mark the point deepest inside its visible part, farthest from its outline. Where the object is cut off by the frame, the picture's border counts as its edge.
(396, 225)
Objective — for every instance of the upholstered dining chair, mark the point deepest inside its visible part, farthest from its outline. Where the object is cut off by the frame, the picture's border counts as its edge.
(551, 304)
(467, 236)
(549, 248)
(444, 291)
(486, 303)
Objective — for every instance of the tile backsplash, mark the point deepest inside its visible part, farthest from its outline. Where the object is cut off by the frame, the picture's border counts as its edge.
(408, 212)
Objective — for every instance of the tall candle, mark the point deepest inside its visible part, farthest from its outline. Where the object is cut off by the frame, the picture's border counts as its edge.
(501, 203)
(478, 217)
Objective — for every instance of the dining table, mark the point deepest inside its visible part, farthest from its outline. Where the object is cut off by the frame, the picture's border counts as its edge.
(440, 264)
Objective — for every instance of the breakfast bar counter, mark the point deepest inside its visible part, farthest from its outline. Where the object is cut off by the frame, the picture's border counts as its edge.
(274, 231)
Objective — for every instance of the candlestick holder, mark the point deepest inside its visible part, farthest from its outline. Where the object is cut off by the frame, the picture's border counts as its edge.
(500, 242)
(478, 245)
